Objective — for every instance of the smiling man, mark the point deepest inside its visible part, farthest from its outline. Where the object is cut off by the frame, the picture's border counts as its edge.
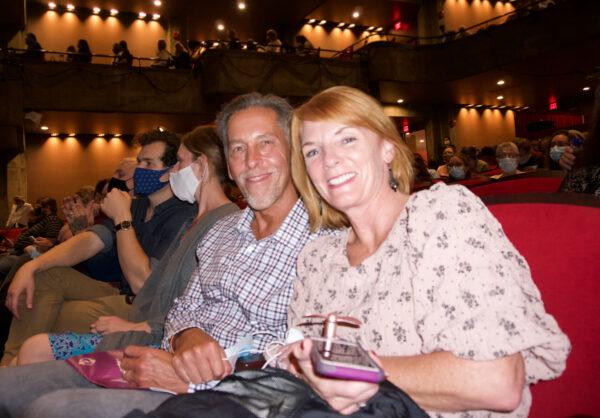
(242, 285)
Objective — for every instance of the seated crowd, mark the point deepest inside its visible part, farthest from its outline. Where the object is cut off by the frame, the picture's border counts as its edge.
(332, 225)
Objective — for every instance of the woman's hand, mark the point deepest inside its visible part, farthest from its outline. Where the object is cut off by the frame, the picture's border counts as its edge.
(108, 324)
(345, 396)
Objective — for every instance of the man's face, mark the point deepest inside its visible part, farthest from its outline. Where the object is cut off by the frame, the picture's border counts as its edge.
(560, 140)
(125, 172)
(258, 156)
(150, 156)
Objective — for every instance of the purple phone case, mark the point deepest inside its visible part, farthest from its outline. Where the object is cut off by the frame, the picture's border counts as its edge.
(345, 371)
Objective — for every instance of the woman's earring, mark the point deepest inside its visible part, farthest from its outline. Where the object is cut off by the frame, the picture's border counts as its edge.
(393, 182)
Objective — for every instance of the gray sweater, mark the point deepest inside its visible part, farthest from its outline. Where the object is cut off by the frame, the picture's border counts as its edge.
(167, 281)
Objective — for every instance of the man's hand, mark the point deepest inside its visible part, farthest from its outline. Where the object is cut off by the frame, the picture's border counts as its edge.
(107, 324)
(22, 283)
(117, 205)
(198, 358)
(567, 159)
(43, 244)
(344, 396)
(145, 367)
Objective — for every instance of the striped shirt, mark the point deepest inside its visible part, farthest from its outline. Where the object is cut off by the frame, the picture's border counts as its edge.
(242, 285)
(48, 227)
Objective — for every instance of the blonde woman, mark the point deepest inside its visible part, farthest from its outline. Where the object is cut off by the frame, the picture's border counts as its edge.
(444, 298)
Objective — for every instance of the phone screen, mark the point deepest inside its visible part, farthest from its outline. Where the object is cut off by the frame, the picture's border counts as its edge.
(345, 353)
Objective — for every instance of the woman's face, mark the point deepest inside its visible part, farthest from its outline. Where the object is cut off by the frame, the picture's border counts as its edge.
(447, 154)
(347, 165)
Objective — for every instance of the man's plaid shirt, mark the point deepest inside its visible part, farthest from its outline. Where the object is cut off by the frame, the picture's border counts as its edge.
(242, 285)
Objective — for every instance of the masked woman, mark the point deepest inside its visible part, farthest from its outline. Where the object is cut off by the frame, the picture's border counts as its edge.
(444, 298)
(197, 177)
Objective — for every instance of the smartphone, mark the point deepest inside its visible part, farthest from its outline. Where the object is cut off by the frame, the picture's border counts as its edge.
(344, 360)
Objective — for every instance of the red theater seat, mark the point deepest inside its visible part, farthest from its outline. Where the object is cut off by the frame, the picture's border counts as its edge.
(524, 183)
(559, 235)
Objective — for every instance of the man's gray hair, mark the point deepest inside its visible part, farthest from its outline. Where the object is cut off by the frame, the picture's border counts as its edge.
(507, 146)
(279, 105)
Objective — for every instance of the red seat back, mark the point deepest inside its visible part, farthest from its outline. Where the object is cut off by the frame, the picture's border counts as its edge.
(519, 185)
(559, 236)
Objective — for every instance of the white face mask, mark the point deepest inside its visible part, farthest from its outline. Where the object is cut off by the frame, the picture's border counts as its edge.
(457, 172)
(184, 184)
(507, 165)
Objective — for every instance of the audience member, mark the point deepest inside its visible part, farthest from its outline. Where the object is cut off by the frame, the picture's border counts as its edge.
(458, 167)
(115, 51)
(303, 46)
(242, 285)
(559, 142)
(447, 153)
(584, 165)
(433, 300)
(136, 237)
(34, 51)
(423, 176)
(507, 155)
(488, 154)
(19, 213)
(123, 56)
(233, 42)
(84, 54)
(181, 59)
(529, 159)
(197, 177)
(273, 43)
(80, 211)
(71, 54)
(475, 164)
(163, 57)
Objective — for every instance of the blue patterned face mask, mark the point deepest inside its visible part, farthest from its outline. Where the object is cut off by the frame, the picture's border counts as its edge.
(556, 152)
(146, 181)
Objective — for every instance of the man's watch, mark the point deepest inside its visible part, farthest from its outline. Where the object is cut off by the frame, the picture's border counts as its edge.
(125, 225)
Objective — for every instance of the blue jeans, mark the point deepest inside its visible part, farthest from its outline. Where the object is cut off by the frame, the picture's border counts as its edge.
(53, 389)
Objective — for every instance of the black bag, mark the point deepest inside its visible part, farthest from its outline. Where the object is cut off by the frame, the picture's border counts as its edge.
(275, 393)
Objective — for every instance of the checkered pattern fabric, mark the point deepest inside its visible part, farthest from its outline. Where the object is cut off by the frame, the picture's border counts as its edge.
(242, 285)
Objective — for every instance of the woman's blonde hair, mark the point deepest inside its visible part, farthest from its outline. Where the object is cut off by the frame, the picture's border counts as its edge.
(350, 107)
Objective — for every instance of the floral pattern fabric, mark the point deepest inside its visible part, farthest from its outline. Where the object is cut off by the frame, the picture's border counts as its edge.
(445, 279)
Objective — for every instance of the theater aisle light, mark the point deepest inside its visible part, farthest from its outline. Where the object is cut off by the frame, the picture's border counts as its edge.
(114, 12)
(96, 10)
(70, 7)
(51, 5)
(500, 82)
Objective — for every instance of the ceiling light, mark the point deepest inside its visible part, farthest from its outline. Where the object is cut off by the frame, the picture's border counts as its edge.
(72, 135)
(379, 29)
(500, 82)
(114, 12)
(371, 28)
(54, 134)
(51, 5)
(500, 97)
(141, 15)
(160, 128)
(44, 128)
(351, 25)
(116, 135)
(157, 3)
(356, 14)
(421, 140)
(96, 10)
(311, 21)
(155, 16)
(220, 27)
(502, 107)
(586, 88)
(70, 7)
(400, 101)
(479, 105)
(215, 44)
(100, 135)
(341, 25)
(322, 22)
(242, 5)
(525, 107)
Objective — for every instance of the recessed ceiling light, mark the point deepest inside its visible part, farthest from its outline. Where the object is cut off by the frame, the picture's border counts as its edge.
(379, 29)
(96, 10)
(44, 128)
(220, 27)
(51, 5)
(371, 28)
(500, 82)
(141, 15)
(215, 44)
(502, 107)
(525, 107)
(242, 5)
(322, 22)
(351, 25)
(72, 135)
(114, 12)
(155, 16)
(586, 88)
(54, 134)
(157, 3)
(479, 105)
(311, 21)
(400, 101)
(500, 97)
(70, 7)
(100, 135)
(116, 135)
(341, 25)
(356, 14)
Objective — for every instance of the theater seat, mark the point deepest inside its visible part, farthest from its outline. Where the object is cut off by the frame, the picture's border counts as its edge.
(524, 183)
(559, 235)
